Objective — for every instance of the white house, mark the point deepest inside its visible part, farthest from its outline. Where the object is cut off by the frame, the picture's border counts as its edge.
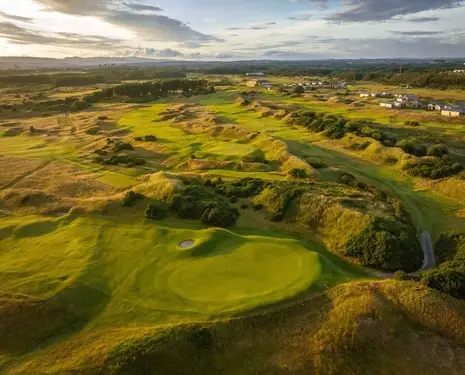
(453, 111)
(365, 94)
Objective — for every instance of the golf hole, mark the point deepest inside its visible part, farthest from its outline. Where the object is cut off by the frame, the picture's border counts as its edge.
(186, 244)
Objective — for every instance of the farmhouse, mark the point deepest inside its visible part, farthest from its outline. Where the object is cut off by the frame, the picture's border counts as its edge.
(453, 111)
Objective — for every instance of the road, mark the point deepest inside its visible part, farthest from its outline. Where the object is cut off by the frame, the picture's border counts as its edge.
(427, 246)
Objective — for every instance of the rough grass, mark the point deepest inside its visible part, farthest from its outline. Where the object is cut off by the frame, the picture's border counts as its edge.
(356, 328)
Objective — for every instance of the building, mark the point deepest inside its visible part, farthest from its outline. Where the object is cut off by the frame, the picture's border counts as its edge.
(453, 111)
(365, 94)
(387, 104)
(459, 71)
(260, 83)
(393, 105)
(436, 106)
(256, 74)
(408, 100)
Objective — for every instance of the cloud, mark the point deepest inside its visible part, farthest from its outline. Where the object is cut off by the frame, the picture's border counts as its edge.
(14, 17)
(415, 32)
(422, 19)
(149, 25)
(380, 10)
(15, 34)
(143, 7)
(261, 26)
(152, 52)
(300, 18)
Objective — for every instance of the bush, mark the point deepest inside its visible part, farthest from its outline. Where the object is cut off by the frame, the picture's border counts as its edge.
(412, 147)
(258, 207)
(244, 206)
(219, 215)
(434, 168)
(298, 173)
(446, 280)
(412, 123)
(438, 150)
(234, 199)
(156, 212)
(122, 146)
(131, 198)
(147, 138)
(195, 203)
(299, 90)
(389, 251)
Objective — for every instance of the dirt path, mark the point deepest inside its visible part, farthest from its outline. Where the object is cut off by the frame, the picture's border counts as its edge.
(427, 246)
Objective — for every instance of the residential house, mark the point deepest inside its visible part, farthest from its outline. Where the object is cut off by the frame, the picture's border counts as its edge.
(365, 94)
(459, 71)
(260, 83)
(453, 111)
(436, 106)
(393, 105)
(408, 100)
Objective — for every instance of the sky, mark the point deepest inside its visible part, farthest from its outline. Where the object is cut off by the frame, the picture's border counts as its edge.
(233, 29)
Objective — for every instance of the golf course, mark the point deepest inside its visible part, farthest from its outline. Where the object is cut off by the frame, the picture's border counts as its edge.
(184, 227)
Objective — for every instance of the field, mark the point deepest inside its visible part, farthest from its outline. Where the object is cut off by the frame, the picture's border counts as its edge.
(211, 233)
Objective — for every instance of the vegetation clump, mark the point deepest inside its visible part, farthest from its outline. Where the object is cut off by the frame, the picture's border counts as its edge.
(244, 188)
(449, 276)
(122, 146)
(433, 168)
(386, 246)
(298, 173)
(131, 198)
(146, 138)
(412, 123)
(127, 160)
(156, 212)
(195, 203)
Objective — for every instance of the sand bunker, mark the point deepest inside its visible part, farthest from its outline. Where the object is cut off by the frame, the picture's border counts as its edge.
(186, 244)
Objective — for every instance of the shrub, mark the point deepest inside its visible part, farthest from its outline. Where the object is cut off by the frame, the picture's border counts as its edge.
(401, 275)
(122, 146)
(434, 168)
(412, 123)
(299, 90)
(378, 247)
(244, 206)
(156, 212)
(298, 173)
(412, 147)
(438, 150)
(208, 182)
(258, 207)
(234, 199)
(447, 280)
(196, 203)
(131, 198)
(219, 215)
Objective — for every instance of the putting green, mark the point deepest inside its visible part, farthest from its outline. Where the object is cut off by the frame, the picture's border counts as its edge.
(254, 269)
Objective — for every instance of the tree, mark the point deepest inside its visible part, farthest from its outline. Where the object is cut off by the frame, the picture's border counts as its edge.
(299, 90)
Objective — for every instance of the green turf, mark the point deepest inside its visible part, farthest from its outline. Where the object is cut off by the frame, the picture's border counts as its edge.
(143, 275)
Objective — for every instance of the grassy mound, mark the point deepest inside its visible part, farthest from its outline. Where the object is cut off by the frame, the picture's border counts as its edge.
(357, 328)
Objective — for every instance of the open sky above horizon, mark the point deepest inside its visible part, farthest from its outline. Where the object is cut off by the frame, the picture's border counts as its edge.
(233, 29)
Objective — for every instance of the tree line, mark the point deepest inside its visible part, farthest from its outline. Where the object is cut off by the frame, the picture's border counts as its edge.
(110, 76)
